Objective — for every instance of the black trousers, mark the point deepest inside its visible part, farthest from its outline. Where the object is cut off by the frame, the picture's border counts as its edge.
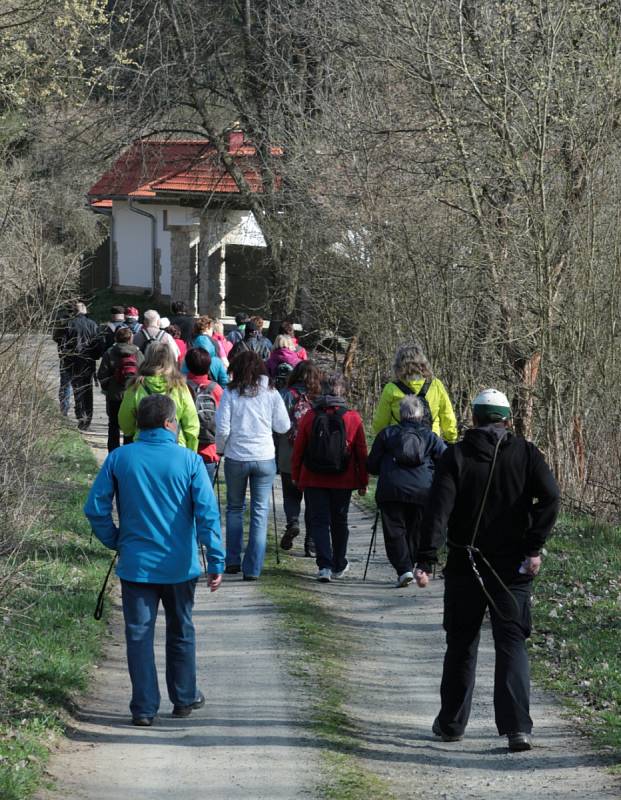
(82, 385)
(114, 432)
(401, 525)
(327, 517)
(464, 608)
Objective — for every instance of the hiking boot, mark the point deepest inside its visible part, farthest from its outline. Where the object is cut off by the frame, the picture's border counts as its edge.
(324, 575)
(309, 547)
(185, 711)
(232, 569)
(251, 577)
(405, 579)
(446, 737)
(519, 742)
(341, 572)
(84, 424)
(142, 722)
(291, 531)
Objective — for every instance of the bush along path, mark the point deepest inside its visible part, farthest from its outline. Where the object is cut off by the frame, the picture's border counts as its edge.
(386, 647)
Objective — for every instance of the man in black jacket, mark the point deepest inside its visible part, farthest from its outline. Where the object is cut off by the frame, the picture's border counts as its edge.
(184, 321)
(500, 501)
(80, 348)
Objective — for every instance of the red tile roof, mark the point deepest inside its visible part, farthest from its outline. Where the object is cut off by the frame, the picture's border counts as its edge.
(149, 167)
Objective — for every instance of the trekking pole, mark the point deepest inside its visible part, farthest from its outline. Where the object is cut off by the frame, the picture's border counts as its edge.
(217, 482)
(372, 543)
(275, 526)
(204, 559)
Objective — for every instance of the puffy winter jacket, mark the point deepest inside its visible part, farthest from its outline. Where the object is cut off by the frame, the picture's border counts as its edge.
(165, 502)
(187, 418)
(404, 456)
(444, 422)
(282, 355)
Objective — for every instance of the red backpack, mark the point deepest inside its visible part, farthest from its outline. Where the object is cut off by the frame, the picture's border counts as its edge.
(301, 406)
(126, 368)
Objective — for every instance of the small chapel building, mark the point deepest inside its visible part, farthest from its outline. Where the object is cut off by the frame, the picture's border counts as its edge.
(178, 226)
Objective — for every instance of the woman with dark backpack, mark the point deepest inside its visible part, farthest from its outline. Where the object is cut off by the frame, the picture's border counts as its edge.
(303, 388)
(207, 395)
(119, 364)
(328, 463)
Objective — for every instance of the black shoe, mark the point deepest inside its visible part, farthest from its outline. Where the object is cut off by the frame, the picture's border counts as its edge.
(446, 737)
(251, 577)
(185, 711)
(291, 531)
(232, 569)
(142, 722)
(519, 742)
(309, 548)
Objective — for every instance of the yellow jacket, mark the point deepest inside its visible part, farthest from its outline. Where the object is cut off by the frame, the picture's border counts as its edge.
(444, 422)
(187, 418)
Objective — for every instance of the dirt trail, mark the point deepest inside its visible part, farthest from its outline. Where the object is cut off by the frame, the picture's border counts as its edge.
(395, 682)
(247, 742)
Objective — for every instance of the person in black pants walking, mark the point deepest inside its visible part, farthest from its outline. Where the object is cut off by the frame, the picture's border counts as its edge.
(500, 501)
(404, 457)
(80, 348)
(118, 365)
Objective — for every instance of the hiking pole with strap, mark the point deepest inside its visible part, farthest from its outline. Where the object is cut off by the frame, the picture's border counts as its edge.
(472, 550)
(98, 613)
(372, 543)
(217, 482)
(275, 525)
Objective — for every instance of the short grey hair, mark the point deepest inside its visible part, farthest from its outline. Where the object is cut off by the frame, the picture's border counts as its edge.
(154, 411)
(151, 319)
(411, 363)
(411, 409)
(334, 383)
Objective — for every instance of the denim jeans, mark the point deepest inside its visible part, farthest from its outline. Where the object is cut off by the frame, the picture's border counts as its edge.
(64, 388)
(140, 606)
(260, 475)
(327, 513)
(210, 466)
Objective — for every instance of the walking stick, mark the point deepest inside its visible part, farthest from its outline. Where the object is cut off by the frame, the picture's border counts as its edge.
(275, 526)
(217, 482)
(372, 543)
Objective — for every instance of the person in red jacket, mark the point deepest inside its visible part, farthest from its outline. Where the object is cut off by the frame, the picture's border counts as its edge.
(198, 362)
(328, 463)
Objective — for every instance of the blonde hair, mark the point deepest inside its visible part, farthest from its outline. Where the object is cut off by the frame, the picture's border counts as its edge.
(282, 340)
(218, 326)
(159, 360)
(411, 363)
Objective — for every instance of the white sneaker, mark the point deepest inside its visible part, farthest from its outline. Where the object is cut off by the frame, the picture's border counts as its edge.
(342, 572)
(324, 575)
(405, 579)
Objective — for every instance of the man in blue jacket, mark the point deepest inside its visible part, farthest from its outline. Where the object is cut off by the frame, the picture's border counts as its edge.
(165, 503)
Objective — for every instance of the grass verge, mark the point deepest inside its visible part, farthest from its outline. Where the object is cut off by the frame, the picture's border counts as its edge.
(49, 639)
(320, 663)
(577, 614)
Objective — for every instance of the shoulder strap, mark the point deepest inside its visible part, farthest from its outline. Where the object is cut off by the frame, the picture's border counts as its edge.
(403, 387)
(147, 335)
(425, 388)
(160, 336)
(211, 386)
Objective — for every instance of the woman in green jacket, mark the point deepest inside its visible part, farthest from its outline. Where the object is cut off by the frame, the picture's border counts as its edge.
(413, 372)
(159, 374)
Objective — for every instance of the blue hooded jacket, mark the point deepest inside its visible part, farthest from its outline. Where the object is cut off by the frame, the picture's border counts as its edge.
(404, 457)
(166, 503)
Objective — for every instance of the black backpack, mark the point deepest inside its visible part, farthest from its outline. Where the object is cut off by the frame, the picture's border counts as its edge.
(205, 403)
(282, 375)
(148, 339)
(422, 396)
(327, 451)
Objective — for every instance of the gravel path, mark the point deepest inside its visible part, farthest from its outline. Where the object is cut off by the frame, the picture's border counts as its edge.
(247, 742)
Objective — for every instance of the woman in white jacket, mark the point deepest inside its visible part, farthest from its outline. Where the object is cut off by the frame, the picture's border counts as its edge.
(249, 412)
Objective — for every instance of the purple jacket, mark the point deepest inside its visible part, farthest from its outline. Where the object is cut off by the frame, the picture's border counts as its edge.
(281, 356)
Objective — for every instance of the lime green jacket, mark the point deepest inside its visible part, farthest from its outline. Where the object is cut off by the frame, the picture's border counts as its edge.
(187, 418)
(444, 422)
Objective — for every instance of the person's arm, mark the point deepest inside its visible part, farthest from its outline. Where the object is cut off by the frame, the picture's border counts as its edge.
(223, 422)
(105, 371)
(187, 417)
(359, 451)
(207, 517)
(280, 416)
(127, 412)
(544, 512)
(375, 456)
(446, 415)
(299, 446)
(98, 506)
(437, 512)
(383, 413)
(437, 448)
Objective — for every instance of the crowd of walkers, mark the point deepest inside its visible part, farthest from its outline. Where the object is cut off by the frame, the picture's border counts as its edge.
(266, 408)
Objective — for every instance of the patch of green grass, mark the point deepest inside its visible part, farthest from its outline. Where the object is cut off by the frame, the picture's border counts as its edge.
(576, 646)
(322, 656)
(49, 639)
(100, 302)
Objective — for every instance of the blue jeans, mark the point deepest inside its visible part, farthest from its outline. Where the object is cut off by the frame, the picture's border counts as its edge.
(327, 514)
(261, 475)
(64, 388)
(140, 605)
(210, 466)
